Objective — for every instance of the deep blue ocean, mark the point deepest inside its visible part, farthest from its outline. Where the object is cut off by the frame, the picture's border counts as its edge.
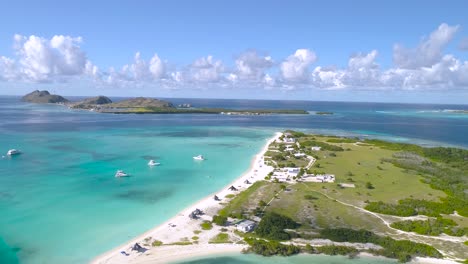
(60, 202)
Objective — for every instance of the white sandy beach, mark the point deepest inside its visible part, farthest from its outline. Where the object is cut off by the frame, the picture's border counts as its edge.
(181, 228)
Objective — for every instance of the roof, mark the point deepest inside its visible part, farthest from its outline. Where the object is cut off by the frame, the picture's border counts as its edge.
(246, 223)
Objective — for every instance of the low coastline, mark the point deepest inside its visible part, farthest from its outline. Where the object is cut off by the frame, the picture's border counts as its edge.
(181, 224)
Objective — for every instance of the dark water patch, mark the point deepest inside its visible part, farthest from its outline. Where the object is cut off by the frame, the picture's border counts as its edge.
(145, 196)
(8, 255)
(6, 196)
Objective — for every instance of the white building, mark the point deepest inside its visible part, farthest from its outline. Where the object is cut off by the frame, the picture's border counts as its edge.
(316, 148)
(246, 226)
(289, 148)
(289, 140)
(319, 178)
(299, 154)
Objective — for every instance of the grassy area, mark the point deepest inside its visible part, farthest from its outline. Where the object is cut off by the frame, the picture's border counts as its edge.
(246, 201)
(206, 225)
(220, 238)
(362, 164)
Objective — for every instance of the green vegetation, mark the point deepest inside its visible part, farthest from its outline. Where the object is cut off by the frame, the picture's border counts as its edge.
(229, 196)
(336, 250)
(220, 238)
(270, 248)
(342, 140)
(310, 197)
(219, 220)
(369, 185)
(206, 225)
(272, 226)
(431, 227)
(181, 243)
(410, 207)
(195, 238)
(323, 145)
(196, 232)
(248, 199)
(402, 250)
(444, 169)
(157, 243)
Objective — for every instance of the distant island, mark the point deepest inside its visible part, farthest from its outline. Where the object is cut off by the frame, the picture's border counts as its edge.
(44, 97)
(144, 105)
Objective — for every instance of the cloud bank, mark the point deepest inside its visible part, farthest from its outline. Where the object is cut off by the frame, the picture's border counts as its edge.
(426, 66)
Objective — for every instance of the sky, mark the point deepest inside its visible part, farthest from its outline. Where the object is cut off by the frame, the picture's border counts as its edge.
(383, 51)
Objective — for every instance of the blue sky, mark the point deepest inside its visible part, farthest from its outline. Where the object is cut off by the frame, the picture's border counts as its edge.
(323, 50)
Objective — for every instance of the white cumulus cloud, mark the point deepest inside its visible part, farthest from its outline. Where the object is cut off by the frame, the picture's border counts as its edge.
(250, 65)
(42, 60)
(428, 52)
(295, 67)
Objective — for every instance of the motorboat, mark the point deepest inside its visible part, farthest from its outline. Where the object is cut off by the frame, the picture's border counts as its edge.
(121, 173)
(153, 163)
(13, 152)
(199, 157)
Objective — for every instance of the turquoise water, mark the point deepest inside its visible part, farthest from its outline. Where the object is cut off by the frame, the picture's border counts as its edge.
(298, 259)
(62, 204)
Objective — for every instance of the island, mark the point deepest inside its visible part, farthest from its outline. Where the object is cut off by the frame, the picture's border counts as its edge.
(318, 194)
(43, 97)
(144, 105)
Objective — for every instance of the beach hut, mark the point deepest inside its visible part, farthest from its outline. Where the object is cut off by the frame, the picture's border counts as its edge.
(232, 188)
(216, 198)
(246, 182)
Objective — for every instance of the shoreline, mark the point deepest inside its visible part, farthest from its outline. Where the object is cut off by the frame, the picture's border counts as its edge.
(165, 231)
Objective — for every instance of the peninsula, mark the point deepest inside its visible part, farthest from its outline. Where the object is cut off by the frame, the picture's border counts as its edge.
(144, 105)
(319, 194)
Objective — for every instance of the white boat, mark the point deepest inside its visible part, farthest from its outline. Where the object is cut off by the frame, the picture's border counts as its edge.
(121, 173)
(199, 157)
(13, 152)
(153, 163)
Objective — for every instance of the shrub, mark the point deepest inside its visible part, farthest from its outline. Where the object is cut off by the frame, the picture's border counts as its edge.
(219, 220)
(206, 225)
(272, 226)
(270, 248)
(156, 243)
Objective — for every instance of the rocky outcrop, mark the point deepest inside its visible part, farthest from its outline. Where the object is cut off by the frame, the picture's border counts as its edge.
(43, 97)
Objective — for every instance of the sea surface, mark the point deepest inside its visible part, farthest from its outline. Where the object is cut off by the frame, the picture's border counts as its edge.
(60, 201)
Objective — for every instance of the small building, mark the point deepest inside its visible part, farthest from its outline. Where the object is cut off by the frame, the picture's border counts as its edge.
(246, 226)
(289, 140)
(316, 148)
(299, 154)
(289, 148)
